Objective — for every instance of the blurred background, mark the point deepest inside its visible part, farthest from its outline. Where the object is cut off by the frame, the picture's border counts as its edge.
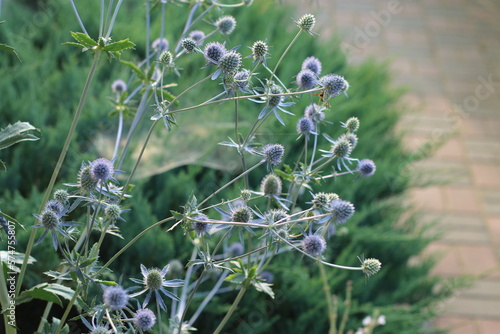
(447, 52)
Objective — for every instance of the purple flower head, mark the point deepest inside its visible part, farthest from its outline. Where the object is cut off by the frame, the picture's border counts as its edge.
(144, 319)
(101, 169)
(313, 64)
(273, 153)
(341, 210)
(213, 52)
(306, 79)
(314, 245)
(197, 36)
(366, 168)
(226, 24)
(160, 44)
(119, 86)
(305, 126)
(334, 85)
(115, 298)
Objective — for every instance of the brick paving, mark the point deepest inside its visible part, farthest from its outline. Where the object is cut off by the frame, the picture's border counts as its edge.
(447, 52)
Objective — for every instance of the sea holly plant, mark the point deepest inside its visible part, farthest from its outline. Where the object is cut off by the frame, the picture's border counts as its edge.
(286, 212)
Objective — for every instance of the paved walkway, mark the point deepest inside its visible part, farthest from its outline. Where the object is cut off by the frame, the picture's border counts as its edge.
(448, 53)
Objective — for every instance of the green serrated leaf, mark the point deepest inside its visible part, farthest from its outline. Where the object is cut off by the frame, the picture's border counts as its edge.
(78, 45)
(135, 69)
(9, 49)
(84, 39)
(263, 287)
(237, 278)
(119, 46)
(16, 133)
(38, 292)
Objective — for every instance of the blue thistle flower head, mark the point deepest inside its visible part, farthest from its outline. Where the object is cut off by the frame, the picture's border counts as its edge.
(197, 36)
(61, 196)
(49, 219)
(56, 207)
(242, 81)
(189, 44)
(101, 170)
(200, 227)
(341, 210)
(166, 58)
(334, 85)
(306, 22)
(352, 124)
(312, 64)
(306, 79)
(236, 249)
(342, 148)
(119, 86)
(315, 113)
(271, 185)
(259, 52)
(366, 168)
(314, 245)
(305, 125)
(226, 24)
(351, 138)
(273, 153)
(160, 44)
(115, 298)
(86, 182)
(213, 52)
(144, 319)
(230, 62)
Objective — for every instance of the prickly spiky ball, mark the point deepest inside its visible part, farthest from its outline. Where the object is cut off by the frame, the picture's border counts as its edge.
(271, 185)
(273, 153)
(230, 62)
(144, 319)
(314, 245)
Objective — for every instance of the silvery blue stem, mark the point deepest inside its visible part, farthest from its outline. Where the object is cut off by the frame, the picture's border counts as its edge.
(209, 297)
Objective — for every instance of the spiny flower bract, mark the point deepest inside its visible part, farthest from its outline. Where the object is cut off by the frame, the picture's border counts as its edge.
(144, 319)
(166, 58)
(314, 245)
(115, 298)
(189, 44)
(259, 52)
(154, 282)
(50, 221)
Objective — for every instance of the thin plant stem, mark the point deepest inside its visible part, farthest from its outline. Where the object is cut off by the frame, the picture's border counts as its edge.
(78, 17)
(115, 13)
(68, 308)
(101, 19)
(190, 298)
(329, 300)
(182, 304)
(208, 297)
(158, 310)
(231, 310)
(284, 53)
(130, 243)
(118, 135)
(232, 181)
(59, 163)
(347, 303)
